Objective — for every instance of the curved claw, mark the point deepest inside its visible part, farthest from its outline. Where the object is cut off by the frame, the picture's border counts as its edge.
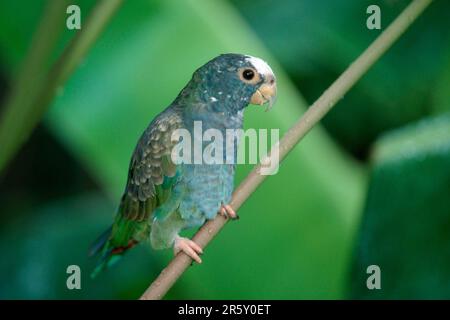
(189, 247)
(228, 212)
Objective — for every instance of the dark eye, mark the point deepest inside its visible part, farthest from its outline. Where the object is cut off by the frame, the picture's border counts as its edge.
(248, 74)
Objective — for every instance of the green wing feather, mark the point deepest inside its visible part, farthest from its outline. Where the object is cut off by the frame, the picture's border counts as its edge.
(150, 179)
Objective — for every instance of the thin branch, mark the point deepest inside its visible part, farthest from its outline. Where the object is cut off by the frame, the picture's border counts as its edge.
(316, 112)
(23, 110)
(30, 76)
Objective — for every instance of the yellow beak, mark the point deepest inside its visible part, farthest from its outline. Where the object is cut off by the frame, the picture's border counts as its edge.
(266, 93)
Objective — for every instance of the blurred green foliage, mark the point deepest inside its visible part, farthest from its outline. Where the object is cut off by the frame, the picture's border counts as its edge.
(330, 34)
(299, 230)
(406, 230)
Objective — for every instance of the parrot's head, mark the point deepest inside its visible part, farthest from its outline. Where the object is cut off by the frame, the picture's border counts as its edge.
(233, 81)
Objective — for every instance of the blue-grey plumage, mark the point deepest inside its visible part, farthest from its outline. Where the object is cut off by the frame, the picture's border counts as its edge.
(162, 198)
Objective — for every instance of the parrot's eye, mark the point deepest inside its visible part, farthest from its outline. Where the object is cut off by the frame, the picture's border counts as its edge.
(248, 75)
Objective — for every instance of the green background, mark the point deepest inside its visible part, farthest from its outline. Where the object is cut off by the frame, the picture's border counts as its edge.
(369, 185)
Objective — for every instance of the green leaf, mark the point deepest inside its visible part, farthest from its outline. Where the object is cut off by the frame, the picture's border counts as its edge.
(405, 228)
(440, 99)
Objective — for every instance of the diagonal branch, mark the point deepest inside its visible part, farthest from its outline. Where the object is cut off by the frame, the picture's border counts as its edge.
(314, 114)
(34, 91)
(30, 77)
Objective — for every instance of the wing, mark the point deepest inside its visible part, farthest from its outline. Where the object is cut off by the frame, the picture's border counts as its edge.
(151, 163)
(150, 179)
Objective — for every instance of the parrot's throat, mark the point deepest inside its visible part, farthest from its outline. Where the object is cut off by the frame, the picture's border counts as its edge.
(218, 111)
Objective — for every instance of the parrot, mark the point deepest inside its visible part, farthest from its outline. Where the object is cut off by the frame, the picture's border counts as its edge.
(163, 197)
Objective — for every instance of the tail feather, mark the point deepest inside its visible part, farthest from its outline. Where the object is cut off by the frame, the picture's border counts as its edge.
(106, 261)
(100, 243)
(124, 234)
(102, 247)
(109, 254)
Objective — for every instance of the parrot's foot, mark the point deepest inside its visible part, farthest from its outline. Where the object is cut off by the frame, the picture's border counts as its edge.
(228, 212)
(189, 247)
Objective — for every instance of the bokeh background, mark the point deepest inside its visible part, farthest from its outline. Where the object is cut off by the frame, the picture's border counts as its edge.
(369, 185)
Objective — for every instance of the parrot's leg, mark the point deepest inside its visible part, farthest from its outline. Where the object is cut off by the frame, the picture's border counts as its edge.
(227, 211)
(164, 234)
(189, 247)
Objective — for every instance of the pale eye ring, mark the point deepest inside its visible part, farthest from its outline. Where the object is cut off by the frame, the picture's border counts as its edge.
(248, 75)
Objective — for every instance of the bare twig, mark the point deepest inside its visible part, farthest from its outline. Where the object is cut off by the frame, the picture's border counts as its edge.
(30, 77)
(316, 112)
(33, 94)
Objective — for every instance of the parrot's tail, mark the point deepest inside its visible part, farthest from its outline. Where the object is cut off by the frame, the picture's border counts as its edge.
(109, 254)
(100, 242)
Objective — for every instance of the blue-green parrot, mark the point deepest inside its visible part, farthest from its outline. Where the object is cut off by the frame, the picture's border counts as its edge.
(161, 197)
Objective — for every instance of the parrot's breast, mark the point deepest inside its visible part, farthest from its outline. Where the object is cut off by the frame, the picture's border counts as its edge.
(206, 188)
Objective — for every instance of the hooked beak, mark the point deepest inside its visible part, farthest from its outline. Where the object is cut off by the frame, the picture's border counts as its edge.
(266, 93)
